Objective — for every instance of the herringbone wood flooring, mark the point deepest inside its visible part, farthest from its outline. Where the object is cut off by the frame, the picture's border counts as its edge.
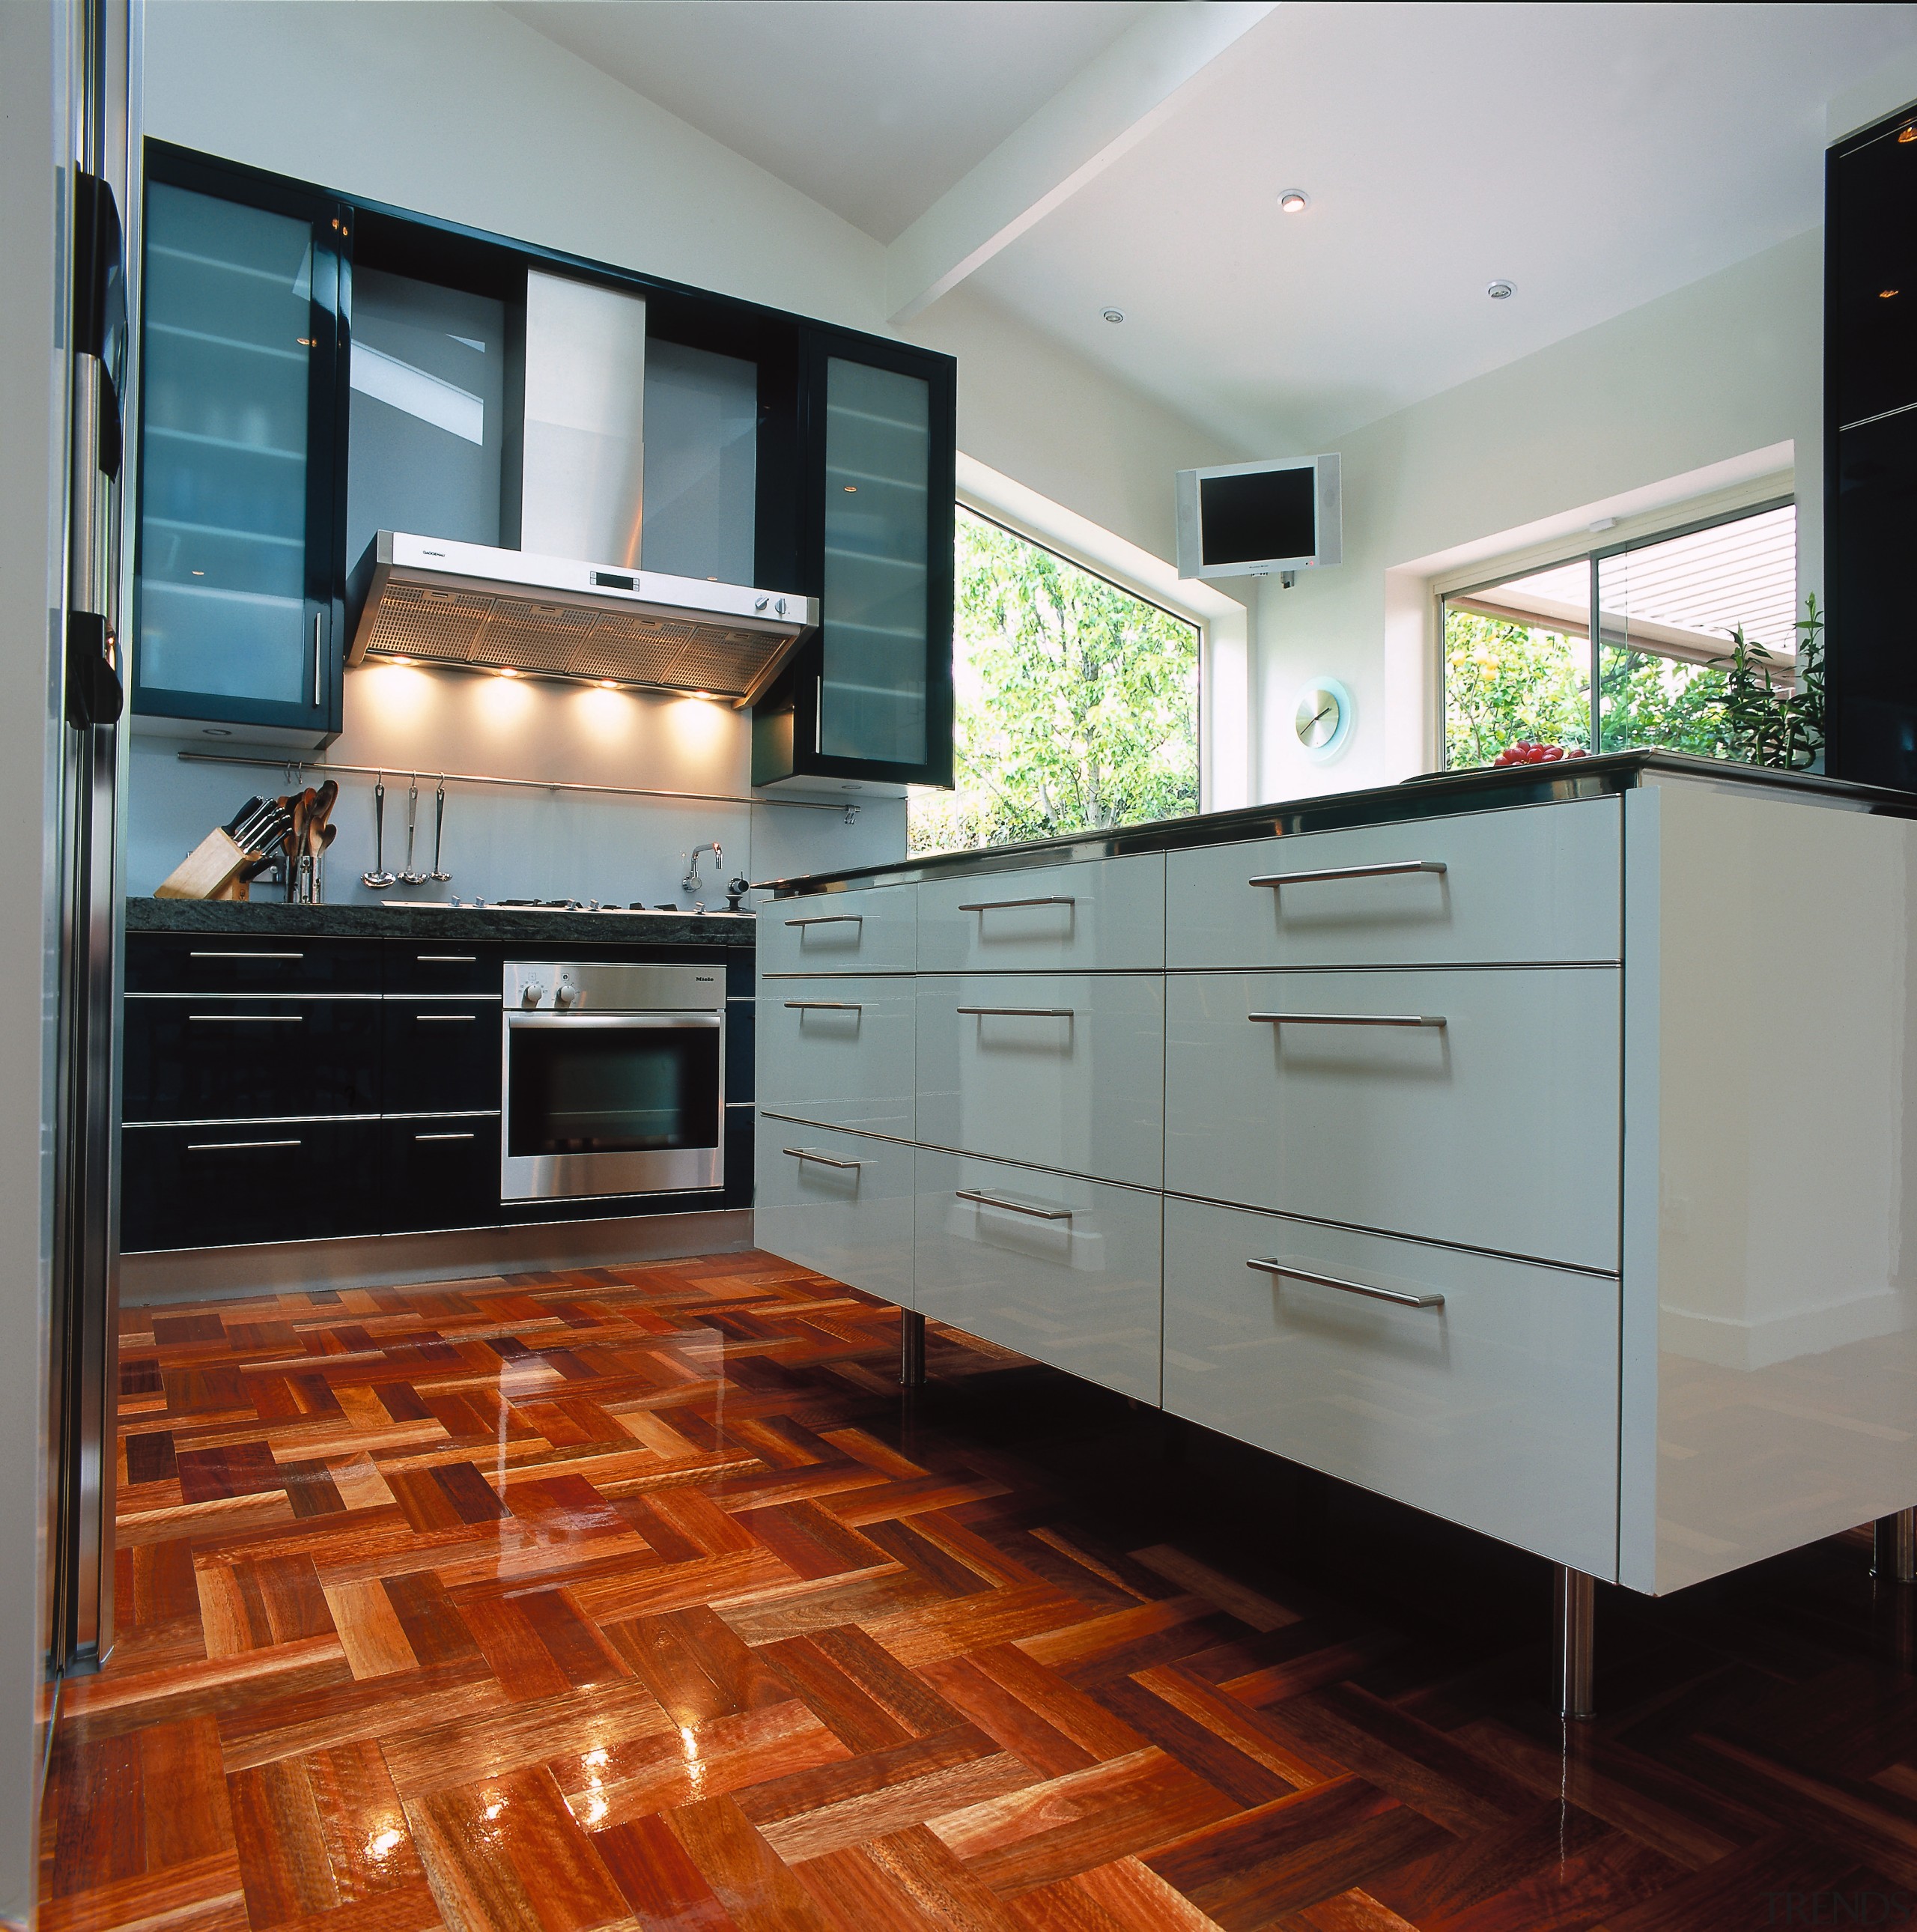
(641, 1597)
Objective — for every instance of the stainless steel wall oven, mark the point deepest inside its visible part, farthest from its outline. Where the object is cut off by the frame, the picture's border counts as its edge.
(614, 1079)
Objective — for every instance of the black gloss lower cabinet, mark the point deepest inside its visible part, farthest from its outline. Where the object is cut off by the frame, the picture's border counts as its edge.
(441, 1056)
(207, 1186)
(205, 1057)
(442, 1172)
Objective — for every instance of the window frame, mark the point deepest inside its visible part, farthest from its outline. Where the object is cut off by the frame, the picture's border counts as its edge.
(1593, 557)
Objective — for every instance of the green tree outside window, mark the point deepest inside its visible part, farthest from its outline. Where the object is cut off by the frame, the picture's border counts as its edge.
(1076, 703)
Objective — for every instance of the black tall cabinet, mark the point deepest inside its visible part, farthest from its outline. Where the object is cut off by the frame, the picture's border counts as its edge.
(1870, 452)
(240, 568)
(868, 699)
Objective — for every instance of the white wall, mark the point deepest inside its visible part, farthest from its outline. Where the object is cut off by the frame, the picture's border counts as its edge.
(1685, 387)
(465, 112)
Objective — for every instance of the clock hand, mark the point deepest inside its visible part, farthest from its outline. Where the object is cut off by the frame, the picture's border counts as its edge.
(1325, 713)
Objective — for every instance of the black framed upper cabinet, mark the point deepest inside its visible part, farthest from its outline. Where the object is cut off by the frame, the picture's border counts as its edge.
(867, 703)
(1870, 452)
(238, 614)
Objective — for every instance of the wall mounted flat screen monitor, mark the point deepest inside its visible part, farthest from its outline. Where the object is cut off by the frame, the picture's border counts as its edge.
(1249, 519)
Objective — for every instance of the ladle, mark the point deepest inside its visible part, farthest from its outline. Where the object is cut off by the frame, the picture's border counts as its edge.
(408, 875)
(439, 828)
(379, 879)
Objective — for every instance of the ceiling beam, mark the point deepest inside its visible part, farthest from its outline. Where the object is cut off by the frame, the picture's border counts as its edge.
(1106, 110)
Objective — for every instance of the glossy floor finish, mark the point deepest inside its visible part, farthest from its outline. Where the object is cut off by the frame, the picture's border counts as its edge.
(642, 1597)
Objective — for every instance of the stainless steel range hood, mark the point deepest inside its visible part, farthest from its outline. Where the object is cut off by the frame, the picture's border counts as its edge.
(572, 489)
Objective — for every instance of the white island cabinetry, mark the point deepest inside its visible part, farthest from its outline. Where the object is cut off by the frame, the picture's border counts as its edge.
(1546, 1163)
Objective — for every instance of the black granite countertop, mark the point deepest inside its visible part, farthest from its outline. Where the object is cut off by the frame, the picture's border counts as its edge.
(1437, 795)
(363, 921)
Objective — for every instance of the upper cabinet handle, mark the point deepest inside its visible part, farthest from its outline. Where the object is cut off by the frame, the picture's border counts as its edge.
(1000, 905)
(318, 673)
(1363, 1288)
(1347, 1019)
(830, 919)
(1396, 867)
(824, 1006)
(228, 953)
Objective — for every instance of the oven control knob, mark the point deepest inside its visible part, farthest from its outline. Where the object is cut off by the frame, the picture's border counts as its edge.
(531, 994)
(565, 993)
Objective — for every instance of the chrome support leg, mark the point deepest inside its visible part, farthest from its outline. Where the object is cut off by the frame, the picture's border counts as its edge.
(1572, 1647)
(1894, 1548)
(911, 1349)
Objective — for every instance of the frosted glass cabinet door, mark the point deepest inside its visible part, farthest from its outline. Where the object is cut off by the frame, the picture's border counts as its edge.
(236, 567)
(872, 699)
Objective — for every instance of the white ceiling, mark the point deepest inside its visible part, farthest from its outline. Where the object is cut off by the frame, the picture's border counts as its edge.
(874, 108)
(1597, 156)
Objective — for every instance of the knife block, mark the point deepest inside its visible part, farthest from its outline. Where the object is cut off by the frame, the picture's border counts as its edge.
(206, 870)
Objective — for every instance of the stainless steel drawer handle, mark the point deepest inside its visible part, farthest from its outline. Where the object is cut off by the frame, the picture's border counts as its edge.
(227, 1147)
(1397, 867)
(824, 1006)
(1363, 1288)
(824, 1160)
(1002, 905)
(1347, 1019)
(246, 955)
(246, 1019)
(1021, 1012)
(447, 959)
(830, 919)
(446, 1019)
(465, 1136)
(1016, 1207)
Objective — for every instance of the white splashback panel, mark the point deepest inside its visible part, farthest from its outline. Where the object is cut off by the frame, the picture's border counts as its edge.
(513, 842)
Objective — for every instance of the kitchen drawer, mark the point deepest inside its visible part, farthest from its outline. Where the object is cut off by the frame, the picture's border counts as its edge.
(1498, 1129)
(442, 1172)
(874, 931)
(191, 962)
(220, 1056)
(1533, 883)
(837, 1202)
(838, 1051)
(1065, 1271)
(215, 1186)
(1104, 914)
(442, 1055)
(1061, 1070)
(444, 966)
(1497, 1409)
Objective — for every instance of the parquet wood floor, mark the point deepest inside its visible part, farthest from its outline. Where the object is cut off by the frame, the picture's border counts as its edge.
(642, 1597)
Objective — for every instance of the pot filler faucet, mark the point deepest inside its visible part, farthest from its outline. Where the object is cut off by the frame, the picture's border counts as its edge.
(692, 883)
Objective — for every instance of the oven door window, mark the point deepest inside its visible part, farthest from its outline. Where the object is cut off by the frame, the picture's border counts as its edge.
(607, 1084)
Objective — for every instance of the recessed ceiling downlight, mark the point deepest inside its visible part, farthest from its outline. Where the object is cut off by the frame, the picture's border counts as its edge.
(1295, 201)
(1500, 291)
(1113, 314)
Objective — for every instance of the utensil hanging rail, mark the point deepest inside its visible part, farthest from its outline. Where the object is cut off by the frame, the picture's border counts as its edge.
(264, 762)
